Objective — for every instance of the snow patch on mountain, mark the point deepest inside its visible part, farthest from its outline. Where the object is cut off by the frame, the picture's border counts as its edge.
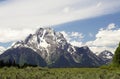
(106, 54)
(44, 44)
(2, 49)
(71, 49)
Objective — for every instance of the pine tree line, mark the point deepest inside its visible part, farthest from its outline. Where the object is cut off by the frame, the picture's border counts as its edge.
(116, 58)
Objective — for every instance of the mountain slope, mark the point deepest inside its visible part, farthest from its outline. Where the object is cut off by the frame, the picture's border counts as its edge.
(54, 49)
(22, 56)
(106, 56)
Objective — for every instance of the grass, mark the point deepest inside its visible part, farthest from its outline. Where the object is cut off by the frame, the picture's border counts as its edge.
(58, 73)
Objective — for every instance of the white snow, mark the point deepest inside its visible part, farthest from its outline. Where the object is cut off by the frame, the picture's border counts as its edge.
(43, 34)
(34, 39)
(108, 55)
(30, 47)
(58, 40)
(44, 44)
(73, 48)
(17, 45)
(13, 44)
(2, 49)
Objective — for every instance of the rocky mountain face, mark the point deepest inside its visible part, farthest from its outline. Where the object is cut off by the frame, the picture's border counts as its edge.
(49, 48)
(22, 56)
(106, 56)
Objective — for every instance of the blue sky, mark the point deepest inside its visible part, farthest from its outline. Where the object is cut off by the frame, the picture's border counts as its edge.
(83, 22)
(91, 25)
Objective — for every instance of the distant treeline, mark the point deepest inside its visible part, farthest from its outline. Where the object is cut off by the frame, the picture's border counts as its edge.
(14, 64)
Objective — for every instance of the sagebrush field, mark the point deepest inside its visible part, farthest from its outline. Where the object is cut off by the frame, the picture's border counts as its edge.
(58, 73)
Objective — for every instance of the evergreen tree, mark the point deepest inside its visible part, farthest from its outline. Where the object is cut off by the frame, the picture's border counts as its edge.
(116, 58)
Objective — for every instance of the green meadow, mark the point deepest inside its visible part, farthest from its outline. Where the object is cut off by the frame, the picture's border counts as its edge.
(58, 73)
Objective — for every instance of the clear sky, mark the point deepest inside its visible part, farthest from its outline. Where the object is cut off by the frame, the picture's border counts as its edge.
(93, 23)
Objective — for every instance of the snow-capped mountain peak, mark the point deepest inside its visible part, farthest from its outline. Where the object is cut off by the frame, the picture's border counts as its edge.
(106, 54)
(45, 40)
(54, 49)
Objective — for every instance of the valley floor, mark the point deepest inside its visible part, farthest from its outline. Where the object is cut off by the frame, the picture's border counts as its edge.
(58, 73)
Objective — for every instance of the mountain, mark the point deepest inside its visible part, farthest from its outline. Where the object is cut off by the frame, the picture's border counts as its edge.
(49, 48)
(106, 56)
(22, 56)
(2, 49)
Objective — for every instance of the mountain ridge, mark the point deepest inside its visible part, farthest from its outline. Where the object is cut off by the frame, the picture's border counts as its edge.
(106, 56)
(54, 49)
